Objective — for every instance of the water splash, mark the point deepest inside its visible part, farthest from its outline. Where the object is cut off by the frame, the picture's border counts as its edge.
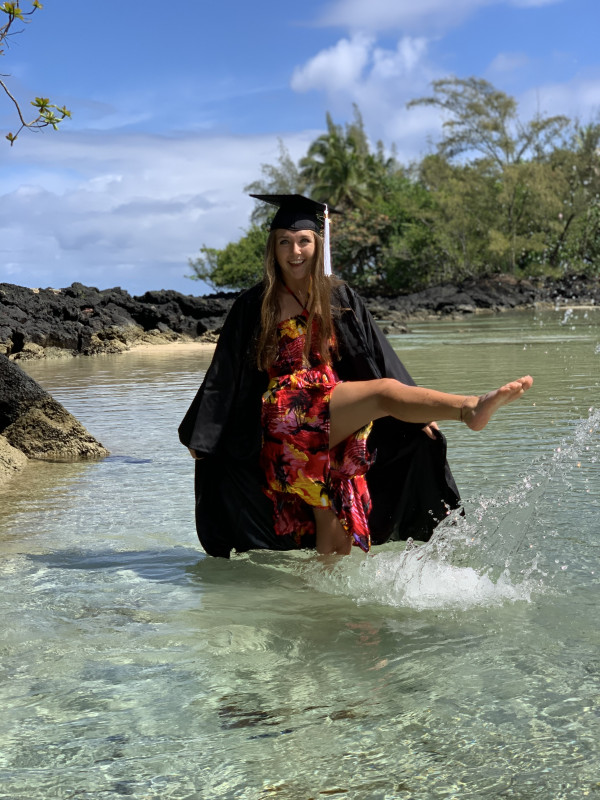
(567, 316)
(485, 557)
(499, 526)
(415, 579)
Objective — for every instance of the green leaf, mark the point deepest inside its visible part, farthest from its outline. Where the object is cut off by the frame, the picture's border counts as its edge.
(12, 9)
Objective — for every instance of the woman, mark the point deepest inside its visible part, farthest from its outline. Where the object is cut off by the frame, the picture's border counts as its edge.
(307, 429)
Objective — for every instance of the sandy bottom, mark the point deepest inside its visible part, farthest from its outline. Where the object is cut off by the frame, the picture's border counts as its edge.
(168, 347)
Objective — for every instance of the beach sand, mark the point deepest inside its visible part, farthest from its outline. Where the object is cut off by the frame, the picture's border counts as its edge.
(172, 347)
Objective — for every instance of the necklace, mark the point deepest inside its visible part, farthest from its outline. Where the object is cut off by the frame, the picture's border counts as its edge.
(297, 299)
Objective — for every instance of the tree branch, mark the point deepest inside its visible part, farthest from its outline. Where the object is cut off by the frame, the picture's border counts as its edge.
(5, 87)
(48, 113)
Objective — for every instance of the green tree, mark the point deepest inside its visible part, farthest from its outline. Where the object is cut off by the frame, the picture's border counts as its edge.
(529, 207)
(499, 195)
(459, 216)
(503, 203)
(238, 266)
(386, 245)
(46, 113)
(357, 242)
(483, 120)
(340, 169)
(281, 178)
(576, 168)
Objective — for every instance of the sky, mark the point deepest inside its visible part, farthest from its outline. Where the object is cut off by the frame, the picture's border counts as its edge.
(175, 106)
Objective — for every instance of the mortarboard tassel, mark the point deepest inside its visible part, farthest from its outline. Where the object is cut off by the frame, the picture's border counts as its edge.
(326, 246)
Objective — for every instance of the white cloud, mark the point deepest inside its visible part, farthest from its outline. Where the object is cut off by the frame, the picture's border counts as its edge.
(381, 83)
(405, 15)
(395, 64)
(534, 3)
(508, 62)
(351, 66)
(335, 69)
(125, 210)
(578, 98)
(426, 16)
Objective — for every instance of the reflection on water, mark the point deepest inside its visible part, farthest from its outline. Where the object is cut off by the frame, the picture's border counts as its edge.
(132, 665)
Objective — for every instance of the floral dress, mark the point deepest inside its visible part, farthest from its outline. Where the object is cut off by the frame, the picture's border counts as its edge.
(301, 471)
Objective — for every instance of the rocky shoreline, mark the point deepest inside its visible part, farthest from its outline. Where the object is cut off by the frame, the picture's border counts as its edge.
(82, 320)
(33, 425)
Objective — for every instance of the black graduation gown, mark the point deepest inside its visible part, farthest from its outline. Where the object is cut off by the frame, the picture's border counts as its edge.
(411, 486)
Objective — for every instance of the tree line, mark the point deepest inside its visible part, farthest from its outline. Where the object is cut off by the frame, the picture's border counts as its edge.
(498, 195)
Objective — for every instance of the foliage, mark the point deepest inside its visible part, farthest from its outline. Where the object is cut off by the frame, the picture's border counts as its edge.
(479, 118)
(238, 266)
(340, 168)
(576, 172)
(499, 206)
(499, 194)
(460, 215)
(283, 178)
(384, 246)
(47, 113)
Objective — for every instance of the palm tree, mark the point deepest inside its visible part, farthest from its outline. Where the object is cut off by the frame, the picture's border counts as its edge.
(339, 167)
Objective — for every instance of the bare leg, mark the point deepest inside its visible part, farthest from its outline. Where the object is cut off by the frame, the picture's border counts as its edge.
(331, 536)
(355, 403)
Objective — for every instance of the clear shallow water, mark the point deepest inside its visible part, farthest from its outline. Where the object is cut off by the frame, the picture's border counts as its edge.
(131, 665)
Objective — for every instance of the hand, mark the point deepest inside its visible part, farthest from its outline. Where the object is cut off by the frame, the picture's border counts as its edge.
(430, 428)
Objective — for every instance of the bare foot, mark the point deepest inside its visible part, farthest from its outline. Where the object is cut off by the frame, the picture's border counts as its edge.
(477, 411)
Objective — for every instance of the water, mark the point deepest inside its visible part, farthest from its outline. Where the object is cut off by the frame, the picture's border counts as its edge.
(134, 666)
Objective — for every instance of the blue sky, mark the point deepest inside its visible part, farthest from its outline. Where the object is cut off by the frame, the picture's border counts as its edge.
(176, 105)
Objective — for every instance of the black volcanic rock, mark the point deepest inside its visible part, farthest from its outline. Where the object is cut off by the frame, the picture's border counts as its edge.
(83, 320)
(37, 425)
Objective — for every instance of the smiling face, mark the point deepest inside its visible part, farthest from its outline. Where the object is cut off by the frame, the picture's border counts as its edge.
(295, 254)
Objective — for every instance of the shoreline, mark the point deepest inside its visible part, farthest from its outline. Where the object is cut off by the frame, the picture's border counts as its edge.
(168, 347)
(84, 321)
(186, 345)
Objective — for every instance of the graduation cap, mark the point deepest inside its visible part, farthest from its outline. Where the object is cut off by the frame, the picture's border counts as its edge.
(298, 213)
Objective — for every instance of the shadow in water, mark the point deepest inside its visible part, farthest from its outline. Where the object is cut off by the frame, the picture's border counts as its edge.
(126, 460)
(256, 571)
(166, 565)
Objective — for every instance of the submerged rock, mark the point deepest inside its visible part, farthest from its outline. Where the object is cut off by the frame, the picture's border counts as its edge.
(36, 425)
(11, 460)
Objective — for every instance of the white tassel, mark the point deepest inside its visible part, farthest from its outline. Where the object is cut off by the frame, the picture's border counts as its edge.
(326, 246)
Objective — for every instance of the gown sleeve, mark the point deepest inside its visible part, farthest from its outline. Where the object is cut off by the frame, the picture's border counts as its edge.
(385, 356)
(203, 426)
(223, 426)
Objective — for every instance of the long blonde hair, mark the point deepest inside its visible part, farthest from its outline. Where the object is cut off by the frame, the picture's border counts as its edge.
(320, 307)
